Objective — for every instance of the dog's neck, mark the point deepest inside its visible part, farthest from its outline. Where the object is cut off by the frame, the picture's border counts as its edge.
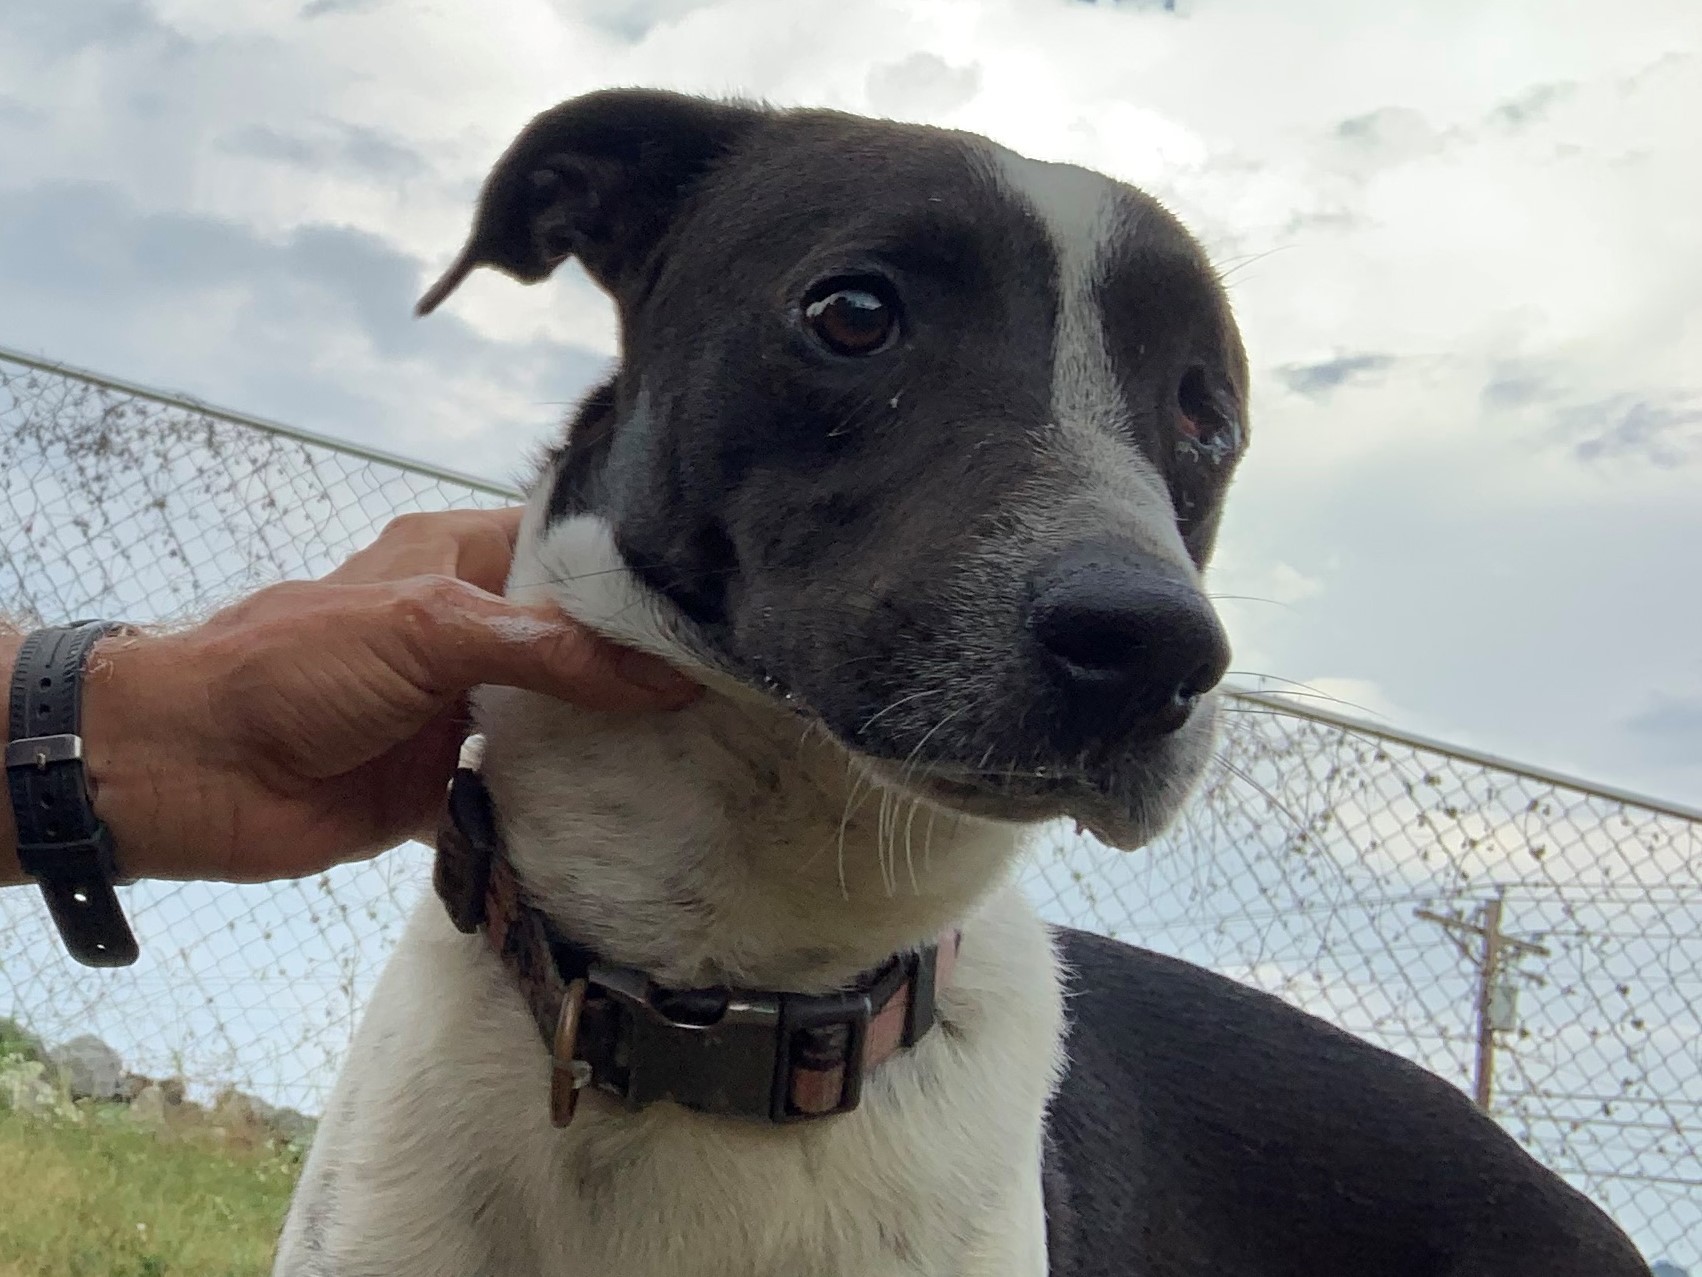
(727, 842)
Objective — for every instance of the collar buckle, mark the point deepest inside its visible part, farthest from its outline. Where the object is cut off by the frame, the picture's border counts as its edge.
(712, 1050)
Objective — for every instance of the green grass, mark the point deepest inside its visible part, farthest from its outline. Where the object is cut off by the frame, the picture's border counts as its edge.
(104, 1198)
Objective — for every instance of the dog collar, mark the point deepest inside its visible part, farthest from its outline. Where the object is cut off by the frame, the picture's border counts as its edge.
(766, 1055)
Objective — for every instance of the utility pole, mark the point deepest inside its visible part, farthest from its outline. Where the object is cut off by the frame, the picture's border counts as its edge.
(1492, 951)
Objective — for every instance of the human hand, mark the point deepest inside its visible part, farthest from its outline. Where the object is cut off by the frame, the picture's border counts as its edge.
(317, 722)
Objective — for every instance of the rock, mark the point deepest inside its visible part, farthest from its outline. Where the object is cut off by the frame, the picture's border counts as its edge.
(16, 1040)
(232, 1108)
(149, 1108)
(249, 1119)
(187, 1118)
(26, 1088)
(234, 1118)
(293, 1127)
(17, 1077)
(90, 1069)
(37, 1097)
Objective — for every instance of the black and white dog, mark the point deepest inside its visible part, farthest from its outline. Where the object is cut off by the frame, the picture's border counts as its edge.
(915, 454)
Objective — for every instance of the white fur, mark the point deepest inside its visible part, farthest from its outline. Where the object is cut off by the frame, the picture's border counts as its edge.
(1084, 214)
(578, 566)
(727, 841)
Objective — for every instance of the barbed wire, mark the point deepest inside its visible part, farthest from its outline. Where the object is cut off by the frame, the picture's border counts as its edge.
(1301, 867)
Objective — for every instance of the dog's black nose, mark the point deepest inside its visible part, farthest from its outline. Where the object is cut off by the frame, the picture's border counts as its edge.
(1133, 643)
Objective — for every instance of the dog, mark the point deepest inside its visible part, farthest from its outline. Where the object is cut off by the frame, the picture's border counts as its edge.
(914, 456)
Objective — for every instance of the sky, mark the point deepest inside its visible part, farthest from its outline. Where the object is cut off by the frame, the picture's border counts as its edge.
(1461, 237)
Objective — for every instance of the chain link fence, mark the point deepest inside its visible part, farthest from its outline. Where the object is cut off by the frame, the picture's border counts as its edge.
(1531, 937)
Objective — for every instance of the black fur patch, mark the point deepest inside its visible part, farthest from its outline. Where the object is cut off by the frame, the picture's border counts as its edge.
(1205, 1129)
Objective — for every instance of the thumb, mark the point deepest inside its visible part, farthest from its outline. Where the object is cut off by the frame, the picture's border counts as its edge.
(473, 637)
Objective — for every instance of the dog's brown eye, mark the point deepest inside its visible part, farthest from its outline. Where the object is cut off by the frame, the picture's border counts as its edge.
(1204, 417)
(851, 317)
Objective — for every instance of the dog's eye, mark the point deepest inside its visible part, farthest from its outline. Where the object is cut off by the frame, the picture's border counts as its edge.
(1204, 416)
(852, 316)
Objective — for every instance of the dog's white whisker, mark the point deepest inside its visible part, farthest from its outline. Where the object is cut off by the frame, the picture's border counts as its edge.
(1295, 823)
(902, 701)
(895, 803)
(909, 860)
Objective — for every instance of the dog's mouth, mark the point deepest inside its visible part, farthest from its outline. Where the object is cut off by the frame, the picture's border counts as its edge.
(1121, 797)
(1120, 805)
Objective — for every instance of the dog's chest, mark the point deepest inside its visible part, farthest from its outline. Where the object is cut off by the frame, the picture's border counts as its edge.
(864, 1199)
(447, 1155)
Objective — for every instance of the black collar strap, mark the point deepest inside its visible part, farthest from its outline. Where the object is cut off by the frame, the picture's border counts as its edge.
(61, 842)
(771, 1056)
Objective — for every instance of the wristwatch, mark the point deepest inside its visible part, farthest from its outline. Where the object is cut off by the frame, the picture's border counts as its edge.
(62, 844)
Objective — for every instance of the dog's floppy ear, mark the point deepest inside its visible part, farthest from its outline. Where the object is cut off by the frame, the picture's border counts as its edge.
(597, 178)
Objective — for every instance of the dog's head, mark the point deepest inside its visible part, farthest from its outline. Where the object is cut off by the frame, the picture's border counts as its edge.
(925, 440)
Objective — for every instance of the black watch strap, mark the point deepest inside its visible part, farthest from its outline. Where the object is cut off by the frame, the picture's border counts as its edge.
(61, 842)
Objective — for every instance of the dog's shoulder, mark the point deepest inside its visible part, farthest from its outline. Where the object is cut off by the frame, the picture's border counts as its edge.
(1206, 1124)
(428, 1114)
